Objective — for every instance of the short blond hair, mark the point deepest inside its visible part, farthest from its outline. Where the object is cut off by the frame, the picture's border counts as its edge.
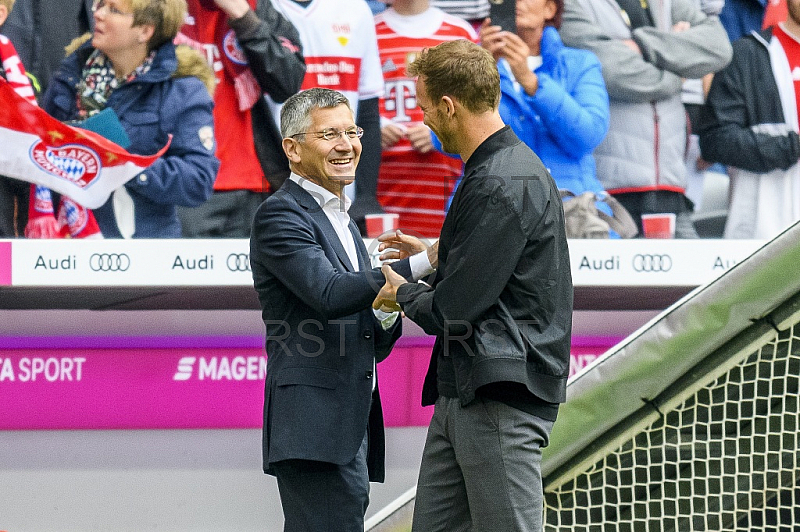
(8, 3)
(166, 17)
(460, 69)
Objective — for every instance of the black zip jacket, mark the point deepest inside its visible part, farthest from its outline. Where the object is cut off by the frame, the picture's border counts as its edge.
(742, 96)
(279, 70)
(501, 302)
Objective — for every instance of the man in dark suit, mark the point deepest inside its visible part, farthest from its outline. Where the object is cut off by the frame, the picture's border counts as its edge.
(323, 425)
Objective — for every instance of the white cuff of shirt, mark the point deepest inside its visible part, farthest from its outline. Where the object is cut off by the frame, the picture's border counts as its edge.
(420, 266)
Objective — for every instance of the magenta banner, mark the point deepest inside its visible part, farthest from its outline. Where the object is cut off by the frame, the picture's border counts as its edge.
(168, 383)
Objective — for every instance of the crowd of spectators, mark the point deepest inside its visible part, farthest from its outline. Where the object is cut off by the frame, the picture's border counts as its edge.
(629, 98)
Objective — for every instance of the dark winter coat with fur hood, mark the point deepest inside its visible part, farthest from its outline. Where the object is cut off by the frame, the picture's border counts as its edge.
(173, 98)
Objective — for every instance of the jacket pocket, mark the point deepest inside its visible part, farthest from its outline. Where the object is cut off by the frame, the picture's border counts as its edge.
(308, 376)
(144, 131)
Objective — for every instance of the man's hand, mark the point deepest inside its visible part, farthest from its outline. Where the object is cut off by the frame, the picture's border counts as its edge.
(391, 135)
(387, 297)
(420, 138)
(400, 245)
(630, 43)
(433, 255)
(681, 26)
(235, 9)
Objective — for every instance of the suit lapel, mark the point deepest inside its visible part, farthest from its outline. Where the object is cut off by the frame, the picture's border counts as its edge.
(308, 202)
(364, 262)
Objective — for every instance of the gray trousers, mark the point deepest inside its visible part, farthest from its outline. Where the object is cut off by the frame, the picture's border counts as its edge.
(481, 469)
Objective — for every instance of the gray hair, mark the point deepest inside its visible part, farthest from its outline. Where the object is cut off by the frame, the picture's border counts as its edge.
(296, 112)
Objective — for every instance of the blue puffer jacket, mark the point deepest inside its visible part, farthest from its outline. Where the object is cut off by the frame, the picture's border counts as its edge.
(567, 117)
(170, 99)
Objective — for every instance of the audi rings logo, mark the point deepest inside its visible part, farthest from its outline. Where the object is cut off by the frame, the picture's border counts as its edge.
(652, 263)
(239, 262)
(109, 262)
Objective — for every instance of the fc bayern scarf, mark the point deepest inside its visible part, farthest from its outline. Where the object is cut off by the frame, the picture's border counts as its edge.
(211, 28)
(42, 222)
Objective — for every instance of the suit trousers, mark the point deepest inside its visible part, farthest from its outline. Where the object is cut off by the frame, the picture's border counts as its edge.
(481, 469)
(324, 497)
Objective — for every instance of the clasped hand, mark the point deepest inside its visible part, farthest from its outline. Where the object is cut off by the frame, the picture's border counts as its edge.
(396, 246)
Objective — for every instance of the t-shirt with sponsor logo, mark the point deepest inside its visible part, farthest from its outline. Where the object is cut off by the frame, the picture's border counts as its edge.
(339, 46)
(412, 184)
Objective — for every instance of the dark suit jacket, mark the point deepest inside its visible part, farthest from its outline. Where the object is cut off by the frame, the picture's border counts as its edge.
(322, 337)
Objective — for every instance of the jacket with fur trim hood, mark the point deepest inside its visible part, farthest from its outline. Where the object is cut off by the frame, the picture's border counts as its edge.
(173, 98)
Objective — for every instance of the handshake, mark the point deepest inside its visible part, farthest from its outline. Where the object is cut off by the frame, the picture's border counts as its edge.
(397, 245)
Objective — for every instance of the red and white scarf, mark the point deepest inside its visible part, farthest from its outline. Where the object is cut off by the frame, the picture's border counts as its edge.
(42, 222)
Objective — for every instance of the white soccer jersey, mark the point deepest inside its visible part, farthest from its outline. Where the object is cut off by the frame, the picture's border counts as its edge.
(339, 46)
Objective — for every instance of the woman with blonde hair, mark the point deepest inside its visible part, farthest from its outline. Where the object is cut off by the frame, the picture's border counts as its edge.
(157, 91)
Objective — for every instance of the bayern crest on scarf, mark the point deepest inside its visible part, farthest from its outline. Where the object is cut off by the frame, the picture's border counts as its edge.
(75, 162)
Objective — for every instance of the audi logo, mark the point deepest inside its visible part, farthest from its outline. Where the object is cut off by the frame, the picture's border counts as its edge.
(239, 262)
(109, 262)
(652, 263)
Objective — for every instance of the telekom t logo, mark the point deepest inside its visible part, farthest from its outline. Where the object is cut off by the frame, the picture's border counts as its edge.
(185, 366)
(401, 96)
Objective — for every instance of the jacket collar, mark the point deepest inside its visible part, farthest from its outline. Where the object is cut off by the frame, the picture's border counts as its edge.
(164, 66)
(499, 139)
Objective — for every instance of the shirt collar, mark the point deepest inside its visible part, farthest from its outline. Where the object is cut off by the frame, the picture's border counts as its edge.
(323, 196)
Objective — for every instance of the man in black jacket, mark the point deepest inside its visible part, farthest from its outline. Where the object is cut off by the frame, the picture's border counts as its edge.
(41, 29)
(500, 306)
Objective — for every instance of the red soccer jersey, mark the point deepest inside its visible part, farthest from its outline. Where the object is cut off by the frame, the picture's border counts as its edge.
(414, 185)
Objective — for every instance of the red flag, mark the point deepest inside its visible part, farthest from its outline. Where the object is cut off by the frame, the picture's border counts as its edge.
(78, 163)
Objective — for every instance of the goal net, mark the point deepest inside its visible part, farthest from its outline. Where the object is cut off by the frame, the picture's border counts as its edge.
(721, 455)
(690, 424)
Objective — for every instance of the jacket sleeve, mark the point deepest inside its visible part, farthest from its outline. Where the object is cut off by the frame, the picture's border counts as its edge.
(59, 97)
(576, 119)
(273, 50)
(627, 75)
(185, 174)
(366, 183)
(693, 53)
(726, 133)
(283, 243)
(485, 251)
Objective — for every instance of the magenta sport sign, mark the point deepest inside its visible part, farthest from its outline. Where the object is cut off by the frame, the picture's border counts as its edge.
(181, 382)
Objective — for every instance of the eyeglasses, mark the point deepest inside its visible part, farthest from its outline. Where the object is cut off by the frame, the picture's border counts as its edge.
(334, 134)
(97, 5)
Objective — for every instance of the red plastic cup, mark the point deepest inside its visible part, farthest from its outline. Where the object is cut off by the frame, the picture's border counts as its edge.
(660, 225)
(377, 224)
